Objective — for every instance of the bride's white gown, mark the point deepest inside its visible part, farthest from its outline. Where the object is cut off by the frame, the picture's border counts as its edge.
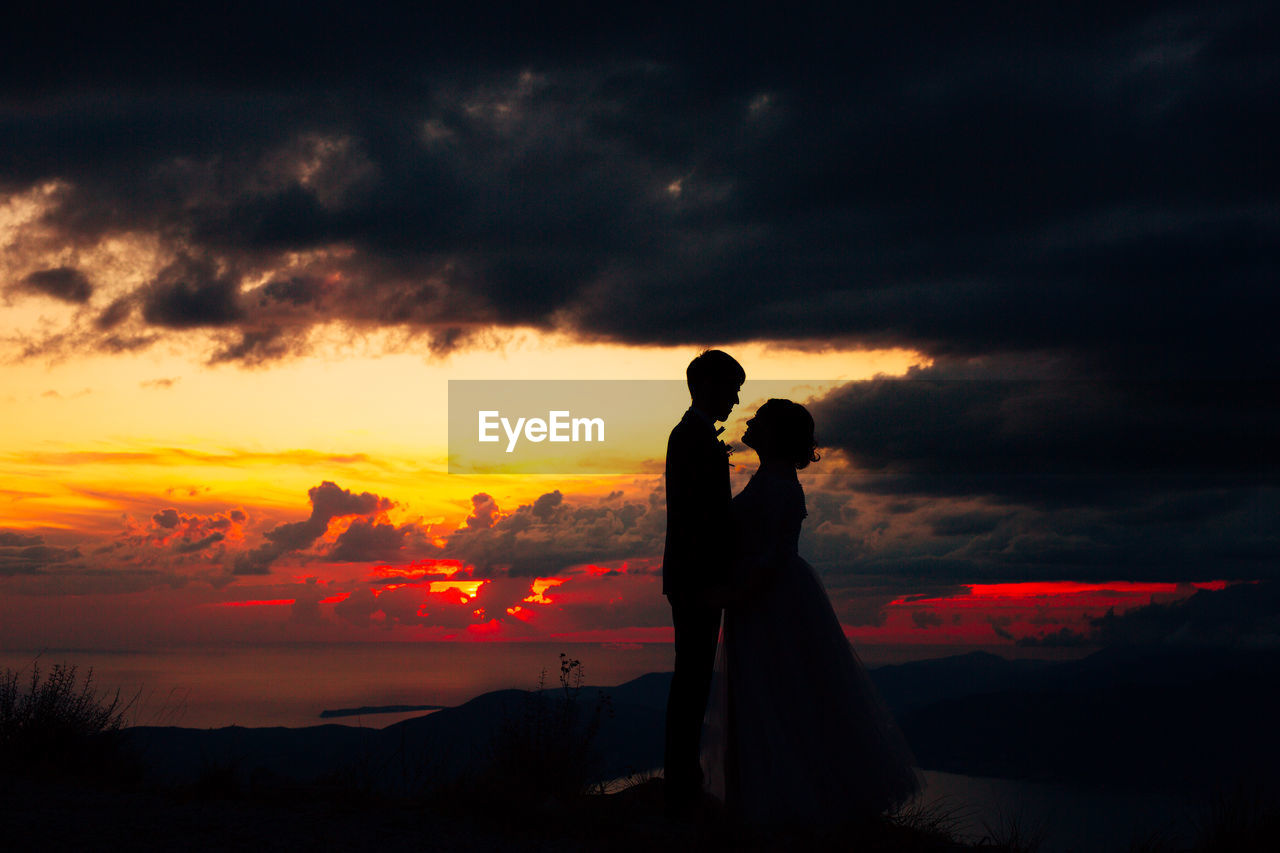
(795, 731)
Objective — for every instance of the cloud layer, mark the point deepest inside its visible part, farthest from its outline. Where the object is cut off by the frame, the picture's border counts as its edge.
(1090, 183)
(328, 501)
(1075, 213)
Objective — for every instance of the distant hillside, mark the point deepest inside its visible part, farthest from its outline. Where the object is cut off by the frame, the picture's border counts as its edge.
(908, 686)
(1145, 716)
(408, 754)
(1142, 715)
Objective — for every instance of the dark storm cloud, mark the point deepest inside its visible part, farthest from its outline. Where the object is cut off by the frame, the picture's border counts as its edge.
(328, 501)
(65, 283)
(191, 292)
(1092, 182)
(484, 511)
(550, 535)
(1000, 626)
(1149, 531)
(1243, 615)
(966, 523)
(114, 314)
(254, 347)
(167, 518)
(925, 619)
(1053, 442)
(1246, 615)
(963, 473)
(197, 545)
(545, 506)
(294, 291)
(33, 559)
(1064, 637)
(364, 540)
(10, 539)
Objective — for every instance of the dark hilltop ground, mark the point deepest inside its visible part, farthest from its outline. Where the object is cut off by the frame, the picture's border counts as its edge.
(564, 768)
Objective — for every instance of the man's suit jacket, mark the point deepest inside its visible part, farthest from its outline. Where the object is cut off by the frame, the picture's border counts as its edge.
(699, 538)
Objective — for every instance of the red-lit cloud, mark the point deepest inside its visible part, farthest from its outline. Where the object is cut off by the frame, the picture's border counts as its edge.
(560, 566)
(328, 501)
(1057, 613)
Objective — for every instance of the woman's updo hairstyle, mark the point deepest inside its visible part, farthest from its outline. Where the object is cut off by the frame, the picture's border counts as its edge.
(790, 428)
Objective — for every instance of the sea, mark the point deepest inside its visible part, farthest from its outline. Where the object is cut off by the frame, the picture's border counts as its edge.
(1053, 817)
(290, 685)
(211, 686)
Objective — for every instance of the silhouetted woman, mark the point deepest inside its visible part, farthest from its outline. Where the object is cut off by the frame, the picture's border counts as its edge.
(796, 732)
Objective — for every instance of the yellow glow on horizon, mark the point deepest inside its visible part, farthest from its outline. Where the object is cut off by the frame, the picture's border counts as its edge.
(421, 569)
(467, 588)
(539, 588)
(90, 438)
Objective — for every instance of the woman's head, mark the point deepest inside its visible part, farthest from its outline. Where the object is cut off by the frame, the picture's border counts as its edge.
(783, 430)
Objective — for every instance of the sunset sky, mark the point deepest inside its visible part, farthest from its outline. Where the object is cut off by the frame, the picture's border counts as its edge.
(244, 249)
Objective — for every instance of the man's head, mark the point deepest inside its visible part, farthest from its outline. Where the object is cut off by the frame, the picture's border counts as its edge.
(714, 379)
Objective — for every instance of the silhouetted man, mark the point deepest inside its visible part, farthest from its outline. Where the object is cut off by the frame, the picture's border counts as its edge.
(696, 560)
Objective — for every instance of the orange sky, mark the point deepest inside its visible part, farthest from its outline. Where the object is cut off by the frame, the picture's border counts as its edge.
(128, 463)
(235, 287)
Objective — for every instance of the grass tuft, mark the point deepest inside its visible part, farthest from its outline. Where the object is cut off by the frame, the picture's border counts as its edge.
(1241, 817)
(1014, 832)
(545, 751)
(55, 723)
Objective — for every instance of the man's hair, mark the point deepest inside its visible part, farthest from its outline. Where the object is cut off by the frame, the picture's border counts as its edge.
(711, 369)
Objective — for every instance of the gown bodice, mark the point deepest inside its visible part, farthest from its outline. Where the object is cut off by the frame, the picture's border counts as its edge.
(795, 731)
(767, 516)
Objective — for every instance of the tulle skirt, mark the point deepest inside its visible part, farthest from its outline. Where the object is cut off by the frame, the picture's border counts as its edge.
(795, 731)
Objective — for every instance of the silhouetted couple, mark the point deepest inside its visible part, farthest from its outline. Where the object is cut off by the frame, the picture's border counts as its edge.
(793, 731)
